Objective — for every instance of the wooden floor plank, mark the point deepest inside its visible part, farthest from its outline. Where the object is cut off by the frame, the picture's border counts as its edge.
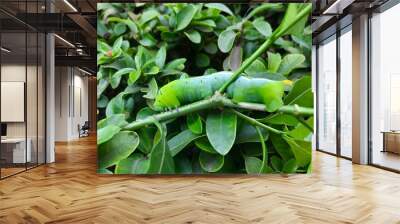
(69, 191)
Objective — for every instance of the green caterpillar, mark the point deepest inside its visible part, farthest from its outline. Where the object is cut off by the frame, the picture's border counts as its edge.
(253, 90)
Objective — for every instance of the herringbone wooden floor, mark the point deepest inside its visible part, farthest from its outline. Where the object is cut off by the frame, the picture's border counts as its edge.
(69, 191)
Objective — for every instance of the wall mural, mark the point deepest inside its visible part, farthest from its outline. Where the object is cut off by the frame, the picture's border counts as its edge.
(204, 88)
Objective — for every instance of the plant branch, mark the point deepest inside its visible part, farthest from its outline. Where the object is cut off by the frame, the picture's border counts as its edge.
(215, 101)
(212, 102)
(275, 35)
(287, 109)
(255, 122)
(264, 148)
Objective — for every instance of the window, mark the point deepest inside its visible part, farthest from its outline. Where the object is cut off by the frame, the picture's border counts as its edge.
(385, 89)
(346, 92)
(327, 95)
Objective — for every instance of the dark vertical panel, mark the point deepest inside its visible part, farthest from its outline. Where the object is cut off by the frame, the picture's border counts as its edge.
(338, 74)
(317, 96)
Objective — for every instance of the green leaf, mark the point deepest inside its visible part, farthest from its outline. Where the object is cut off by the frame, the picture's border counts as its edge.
(117, 44)
(285, 119)
(180, 141)
(248, 133)
(211, 48)
(204, 144)
(305, 99)
(253, 165)
(119, 29)
(161, 56)
(119, 147)
(146, 136)
(183, 165)
(116, 105)
(148, 15)
(135, 164)
(194, 123)
(211, 162)
(202, 60)
(290, 166)
(193, 36)
(256, 67)
(220, 7)
(134, 76)
(115, 119)
(300, 87)
(262, 27)
(276, 163)
(116, 77)
(291, 62)
(221, 130)
(291, 13)
(274, 61)
(161, 161)
(301, 151)
(281, 147)
(103, 171)
(177, 64)
(106, 133)
(185, 16)
(144, 113)
(152, 71)
(148, 40)
(226, 40)
(152, 90)
(301, 132)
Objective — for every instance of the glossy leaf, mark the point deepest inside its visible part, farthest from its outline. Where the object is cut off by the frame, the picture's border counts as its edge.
(135, 164)
(291, 62)
(204, 144)
(301, 151)
(180, 141)
(194, 123)
(253, 165)
(220, 7)
(161, 56)
(185, 16)
(211, 162)
(277, 163)
(262, 27)
(106, 133)
(255, 68)
(248, 133)
(274, 62)
(193, 36)
(226, 40)
(161, 161)
(116, 149)
(221, 130)
(115, 119)
(301, 132)
(290, 166)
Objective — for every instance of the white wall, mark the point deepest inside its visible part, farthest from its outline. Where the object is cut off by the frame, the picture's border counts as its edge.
(70, 83)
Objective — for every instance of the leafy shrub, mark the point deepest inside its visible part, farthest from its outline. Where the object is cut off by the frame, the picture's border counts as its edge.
(142, 47)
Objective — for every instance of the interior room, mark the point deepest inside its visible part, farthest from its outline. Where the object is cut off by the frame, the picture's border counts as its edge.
(385, 87)
(22, 98)
(50, 98)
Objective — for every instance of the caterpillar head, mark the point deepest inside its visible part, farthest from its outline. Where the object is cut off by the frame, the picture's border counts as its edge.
(166, 98)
